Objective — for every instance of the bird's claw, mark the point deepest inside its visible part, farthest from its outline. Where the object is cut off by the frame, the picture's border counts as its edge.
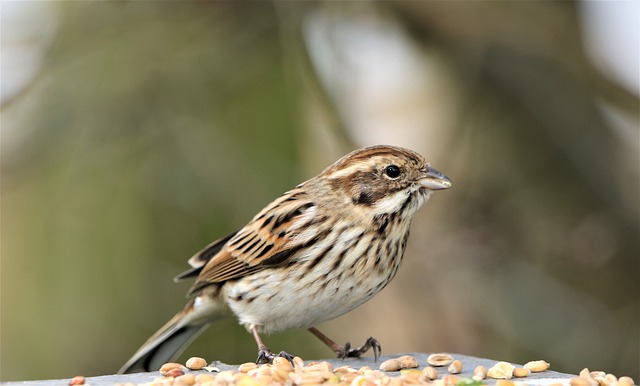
(371, 343)
(266, 356)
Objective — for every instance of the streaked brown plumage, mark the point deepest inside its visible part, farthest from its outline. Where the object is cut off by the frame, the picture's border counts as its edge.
(315, 253)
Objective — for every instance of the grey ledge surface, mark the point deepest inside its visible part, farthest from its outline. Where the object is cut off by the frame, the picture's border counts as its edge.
(468, 364)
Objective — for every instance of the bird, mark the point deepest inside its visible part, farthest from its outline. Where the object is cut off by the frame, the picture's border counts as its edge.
(317, 252)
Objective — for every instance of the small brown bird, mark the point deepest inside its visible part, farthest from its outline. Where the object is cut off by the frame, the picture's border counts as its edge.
(315, 253)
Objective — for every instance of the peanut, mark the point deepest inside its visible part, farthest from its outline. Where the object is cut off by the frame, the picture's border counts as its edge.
(501, 370)
(196, 363)
(430, 373)
(521, 372)
(626, 381)
(537, 366)
(168, 367)
(77, 380)
(246, 367)
(455, 367)
(439, 359)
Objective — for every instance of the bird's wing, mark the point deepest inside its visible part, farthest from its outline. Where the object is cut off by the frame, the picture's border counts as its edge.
(268, 240)
(200, 259)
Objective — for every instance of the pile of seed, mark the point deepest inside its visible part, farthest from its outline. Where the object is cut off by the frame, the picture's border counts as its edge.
(405, 371)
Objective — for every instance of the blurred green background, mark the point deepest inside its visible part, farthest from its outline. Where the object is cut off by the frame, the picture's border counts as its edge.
(135, 133)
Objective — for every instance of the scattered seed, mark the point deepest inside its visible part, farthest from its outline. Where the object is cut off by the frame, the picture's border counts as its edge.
(298, 362)
(196, 363)
(577, 381)
(430, 373)
(521, 372)
(626, 381)
(586, 375)
(395, 364)
(246, 367)
(392, 364)
(501, 370)
(167, 367)
(455, 367)
(450, 380)
(204, 378)
(174, 373)
(479, 373)
(284, 373)
(77, 380)
(537, 366)
(439, 359)
(185, 380)
(163, 381)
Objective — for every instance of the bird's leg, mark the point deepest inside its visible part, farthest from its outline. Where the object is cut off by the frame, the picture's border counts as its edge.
(346, 350)
(265, 355)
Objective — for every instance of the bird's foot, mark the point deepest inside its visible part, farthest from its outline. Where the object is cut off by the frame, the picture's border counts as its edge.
(267, 356)
(348, 352)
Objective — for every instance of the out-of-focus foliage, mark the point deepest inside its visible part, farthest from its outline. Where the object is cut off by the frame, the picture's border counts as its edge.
(153, 128)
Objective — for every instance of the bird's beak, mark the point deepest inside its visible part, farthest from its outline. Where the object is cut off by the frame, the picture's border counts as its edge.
(434, 180)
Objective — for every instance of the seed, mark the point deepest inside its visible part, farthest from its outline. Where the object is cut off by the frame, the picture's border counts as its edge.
(186, 380)
(586, 375)
(319, 366)
(430, 373)
(175, 373)
(521, 372)
(307, 378)
(298, 362)
(439, 359)
(577, 381)
(246, 367)
(245, 380)
(261, 371)
(410, 376)
(163, 381)
(598, 374)
(450, 380)
(196, 363)
(604, 381)
(504, 382)
(282, 363)
(348, 377)
(227, 375)
(537, 366)
(204, 378)
(408, 362)
(167, 367)
(395, 364)
(455, 367)
(479, 373)
(280, 374)
(344, 369)
(501, 370)
(626, 381)
(77, 380)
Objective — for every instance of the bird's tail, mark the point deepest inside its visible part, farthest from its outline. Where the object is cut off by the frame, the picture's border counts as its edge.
(169, 342)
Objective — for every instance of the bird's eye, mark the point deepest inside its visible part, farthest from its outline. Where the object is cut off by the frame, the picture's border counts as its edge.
(392, 171)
